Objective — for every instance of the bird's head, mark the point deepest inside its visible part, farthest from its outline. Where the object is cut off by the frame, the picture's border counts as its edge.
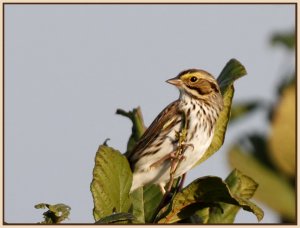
(197, 83)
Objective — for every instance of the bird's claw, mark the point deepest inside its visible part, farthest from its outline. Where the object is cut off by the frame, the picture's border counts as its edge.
(185, 146)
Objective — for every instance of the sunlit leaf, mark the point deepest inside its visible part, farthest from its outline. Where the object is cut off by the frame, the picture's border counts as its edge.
(137, 199)
(145, 201)
(242, 188)
(231, 72)
(209, 192)
(274, 190)
(152, 198)
(286, 81)
(221, 127)
(111, 183)
(282, 140)
(203, 191)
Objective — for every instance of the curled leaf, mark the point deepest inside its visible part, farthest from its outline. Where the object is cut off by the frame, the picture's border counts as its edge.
(223, 198)
(242, 189)
(56, 213)
(231, 72)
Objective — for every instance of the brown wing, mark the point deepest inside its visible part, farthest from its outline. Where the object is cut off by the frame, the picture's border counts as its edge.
(164, 118)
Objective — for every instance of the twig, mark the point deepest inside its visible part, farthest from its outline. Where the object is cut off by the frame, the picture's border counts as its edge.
(179, 153)
(175, 161)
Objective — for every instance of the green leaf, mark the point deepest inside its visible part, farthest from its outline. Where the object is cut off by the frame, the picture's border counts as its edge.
(56, 213)
(242, 109)
(285, 39)
(274, 190)
(256, 144)
(138, 127)
(116, 218)
(137, 199)
(152, 198)
(112, 179)
(211, 192)
(201, 193)
(145, 202)
(202, 215)
(231, 72)
(242, 188)
(221, 126)
(241, 185)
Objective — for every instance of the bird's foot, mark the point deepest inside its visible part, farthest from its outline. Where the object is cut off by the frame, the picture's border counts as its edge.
(186, 145)
(162, 160)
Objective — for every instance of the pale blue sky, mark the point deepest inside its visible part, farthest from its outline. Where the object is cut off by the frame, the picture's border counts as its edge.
(69, 67)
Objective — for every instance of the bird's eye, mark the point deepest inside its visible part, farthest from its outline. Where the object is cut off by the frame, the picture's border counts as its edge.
(193, 79)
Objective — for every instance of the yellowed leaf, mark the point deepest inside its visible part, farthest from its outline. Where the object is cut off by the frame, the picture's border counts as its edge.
(283, 132)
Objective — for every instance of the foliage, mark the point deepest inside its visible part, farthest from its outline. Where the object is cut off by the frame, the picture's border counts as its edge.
(270, 158)
(144, 203)
(111, 183)
(284, 124)
(242, 188)
(214, 194)
(205, 200)
(287, 39)
(241, 109)
(56, 213)
(223, 199)
(271, 185)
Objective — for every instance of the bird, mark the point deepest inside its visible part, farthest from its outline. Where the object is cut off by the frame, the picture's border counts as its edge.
(195, 112)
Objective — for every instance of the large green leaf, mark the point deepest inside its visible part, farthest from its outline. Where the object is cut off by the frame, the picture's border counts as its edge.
(221, 127)
(274, 190)
(242, 188)
(231, 72)
(145, 202)
(112, 179)
(205, 190)
(209, 192)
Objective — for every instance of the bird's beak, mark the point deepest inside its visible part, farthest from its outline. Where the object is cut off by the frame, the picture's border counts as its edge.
(175, 81)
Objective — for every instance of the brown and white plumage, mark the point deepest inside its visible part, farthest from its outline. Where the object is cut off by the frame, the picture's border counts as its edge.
(201, 101)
